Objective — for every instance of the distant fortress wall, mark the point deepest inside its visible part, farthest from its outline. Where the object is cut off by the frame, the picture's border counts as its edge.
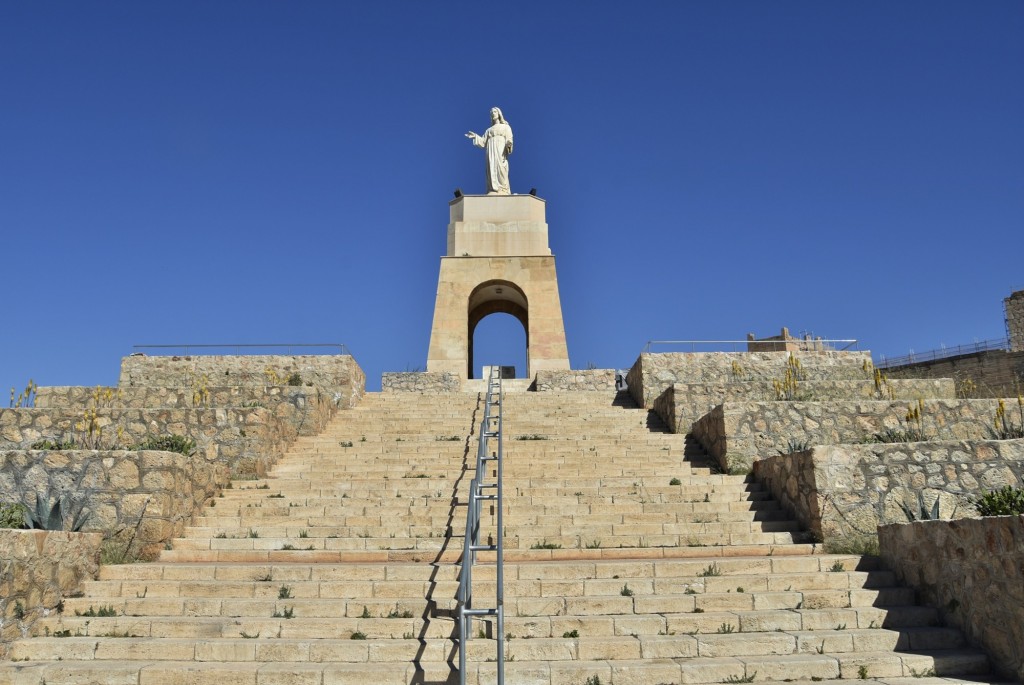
(990, 373)
(1014, 305)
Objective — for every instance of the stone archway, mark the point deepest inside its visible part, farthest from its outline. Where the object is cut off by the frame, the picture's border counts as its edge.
(498, 261)
(497, 296)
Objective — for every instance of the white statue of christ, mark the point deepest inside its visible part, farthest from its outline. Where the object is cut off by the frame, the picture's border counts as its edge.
(497, 142)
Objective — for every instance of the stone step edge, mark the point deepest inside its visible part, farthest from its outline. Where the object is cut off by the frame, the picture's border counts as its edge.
(511, 555)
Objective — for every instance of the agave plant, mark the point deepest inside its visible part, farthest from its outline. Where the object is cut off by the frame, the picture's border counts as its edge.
(62, 514)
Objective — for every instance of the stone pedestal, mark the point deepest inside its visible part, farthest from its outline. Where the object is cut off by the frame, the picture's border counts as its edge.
(498, 261)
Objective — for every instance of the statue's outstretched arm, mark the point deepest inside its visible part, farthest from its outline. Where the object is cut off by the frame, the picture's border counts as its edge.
(477, 140)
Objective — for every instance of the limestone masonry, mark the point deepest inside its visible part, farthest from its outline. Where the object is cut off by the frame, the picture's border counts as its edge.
(718, 522)
(498, 260)
(980, 583)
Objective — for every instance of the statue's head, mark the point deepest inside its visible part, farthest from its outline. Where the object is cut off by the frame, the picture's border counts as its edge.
(496, 116)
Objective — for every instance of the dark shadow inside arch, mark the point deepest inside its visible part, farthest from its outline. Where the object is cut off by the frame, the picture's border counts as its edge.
(498, 297)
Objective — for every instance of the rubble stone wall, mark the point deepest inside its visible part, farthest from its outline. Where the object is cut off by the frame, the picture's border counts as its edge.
(583, 380)
(148, 495)
(37, 569)
(331, 373)
(682, 404)
(245, 440)
(420, 381)
(843, 492)
(739, 433)
(651, 374)
(306, 409)
(979, 584)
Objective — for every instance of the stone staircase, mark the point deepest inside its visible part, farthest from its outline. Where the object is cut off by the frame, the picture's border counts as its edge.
(628, 561)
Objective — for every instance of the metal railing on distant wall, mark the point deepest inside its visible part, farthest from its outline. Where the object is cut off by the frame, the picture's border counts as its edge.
(943, 353)
(481, 491)
(245, 348)
(800, 344)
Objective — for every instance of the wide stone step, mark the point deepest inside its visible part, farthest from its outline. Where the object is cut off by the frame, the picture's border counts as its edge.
(349, 537)
(821, 610)
(737, 669)
(220, 672)
(206, 605)
(269, 648)
(524, 598)
(231, 627)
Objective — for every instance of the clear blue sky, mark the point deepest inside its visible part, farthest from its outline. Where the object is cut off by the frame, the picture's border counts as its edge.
(253, 172)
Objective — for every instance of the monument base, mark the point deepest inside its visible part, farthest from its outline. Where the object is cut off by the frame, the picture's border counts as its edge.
(497, 225)
(498, 261)
(470, 288)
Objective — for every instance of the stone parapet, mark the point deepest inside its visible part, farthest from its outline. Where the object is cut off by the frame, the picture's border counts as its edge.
(148, 496)
(682, 404)
(37, 569)
(972, 570)
(307, 409)
(583, 380)
(652, 373)
(420, 381)
(739, 433)
(843, 492)
(330, 373)
(245, 440)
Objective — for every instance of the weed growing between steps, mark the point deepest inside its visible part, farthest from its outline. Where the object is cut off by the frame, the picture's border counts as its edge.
(102, 612)
(860, 545)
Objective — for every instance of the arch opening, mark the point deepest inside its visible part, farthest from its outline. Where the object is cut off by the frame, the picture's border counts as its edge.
(502, 340)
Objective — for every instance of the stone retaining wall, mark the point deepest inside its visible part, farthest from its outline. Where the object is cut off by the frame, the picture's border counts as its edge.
(979, 584)
(306, 409)
(739, 433)
(682, 404)
(148, 495)
(245, 440)
(583, 380)
(330, 373)
(653, 373)
(37, 569)
(843, 492)
(420, 381)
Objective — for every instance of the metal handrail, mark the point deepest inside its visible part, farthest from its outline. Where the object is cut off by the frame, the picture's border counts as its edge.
(342, 349)
(812, 343)
(490, 428)
(944, 353)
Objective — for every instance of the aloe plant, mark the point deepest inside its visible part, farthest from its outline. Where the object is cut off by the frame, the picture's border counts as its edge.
(61, 514)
